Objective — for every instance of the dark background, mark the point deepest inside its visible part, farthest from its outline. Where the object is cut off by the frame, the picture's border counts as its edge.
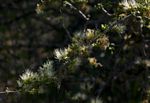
(26, 40)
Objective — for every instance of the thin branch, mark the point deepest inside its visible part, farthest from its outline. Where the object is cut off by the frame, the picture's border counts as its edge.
(64, 27)
(117, 22)
(8, 92)
(79, 11)
(105, 11)
(113, 24)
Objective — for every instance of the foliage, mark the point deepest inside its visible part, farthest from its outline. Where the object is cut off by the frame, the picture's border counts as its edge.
(106, 59)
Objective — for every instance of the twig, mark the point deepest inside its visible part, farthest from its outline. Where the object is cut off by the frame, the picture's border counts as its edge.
(64, 27)
(8, 92)
(117, 22)
(112, 25)
(79, 11)
(105, 11)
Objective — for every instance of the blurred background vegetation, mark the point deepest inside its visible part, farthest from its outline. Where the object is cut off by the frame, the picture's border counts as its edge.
(26, 39)
(31, 29)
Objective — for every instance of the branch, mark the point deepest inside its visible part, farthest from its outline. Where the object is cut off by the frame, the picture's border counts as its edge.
(113, 24)
(8, 92)
(79, 11)
(117, 22)
(105, 11)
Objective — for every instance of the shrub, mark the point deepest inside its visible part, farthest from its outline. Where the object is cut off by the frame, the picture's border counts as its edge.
(108, 63)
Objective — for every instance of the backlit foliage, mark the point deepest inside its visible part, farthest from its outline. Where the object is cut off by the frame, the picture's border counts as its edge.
(106, 63)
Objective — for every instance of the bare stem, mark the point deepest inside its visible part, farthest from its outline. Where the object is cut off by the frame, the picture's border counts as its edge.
(79, 11)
